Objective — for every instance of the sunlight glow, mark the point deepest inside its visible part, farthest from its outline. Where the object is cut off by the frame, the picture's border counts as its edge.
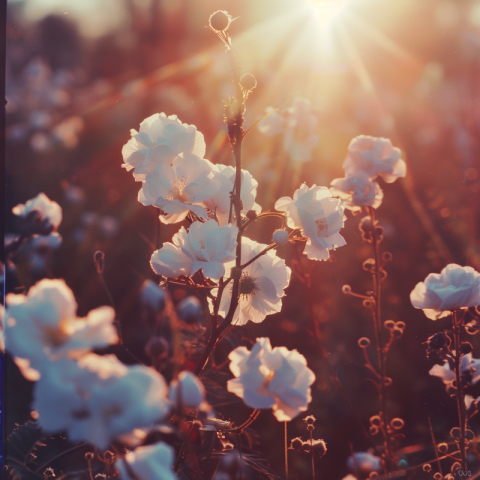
(327, 10)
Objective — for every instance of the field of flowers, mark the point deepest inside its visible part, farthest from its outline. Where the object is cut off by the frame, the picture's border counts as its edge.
(242, 244)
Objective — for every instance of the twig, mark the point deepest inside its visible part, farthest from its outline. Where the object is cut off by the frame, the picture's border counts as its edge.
(434, 445)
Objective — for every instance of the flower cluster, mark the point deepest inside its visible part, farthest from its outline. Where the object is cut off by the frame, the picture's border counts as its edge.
(367, 159)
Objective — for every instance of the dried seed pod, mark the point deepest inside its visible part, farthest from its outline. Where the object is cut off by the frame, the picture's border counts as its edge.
(373, 430)
(442, 448)
(400, 325)
(397, 423)
(310, 420)
(387, 256)
(427, 467)
(369, 264)
(220, 20)
(347, 289)
(389, 324)
(455, 433)
(456, 466)
(248, 82)
(296, 443)
(438, 476)
(376, 420)
(319, 448)
(364, 342)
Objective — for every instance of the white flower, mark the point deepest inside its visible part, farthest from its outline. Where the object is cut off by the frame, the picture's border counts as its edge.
(469, 368)
(179, 188)
(206, 246)
(218, 205)
(262, 285)
(357, 191)
(319, 216)
(98, 399)
(153, 462)
(365, 462)
(187, 390)
(271, 378)
(455, 287)
(374, 156)
(43, 326)
(159, 141)
(298, 125)
(48, 209)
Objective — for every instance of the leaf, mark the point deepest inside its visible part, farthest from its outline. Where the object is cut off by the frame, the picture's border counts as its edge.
(22, 444)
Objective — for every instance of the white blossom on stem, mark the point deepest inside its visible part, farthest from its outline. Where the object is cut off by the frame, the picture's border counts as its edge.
(218, 206)
(469, 368)
(269, 377)
(179, 188)
(262, 285)
(357, 191)
(206, 246)
(98, 399)
(159, 141)
(153, 462)
(454, 288)
(47, 208)
(42, 326)
(374, 156)
(319, 216)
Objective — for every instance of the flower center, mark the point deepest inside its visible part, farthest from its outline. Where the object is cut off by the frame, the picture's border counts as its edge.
(247, 285)
(178, 191)
(321, 226)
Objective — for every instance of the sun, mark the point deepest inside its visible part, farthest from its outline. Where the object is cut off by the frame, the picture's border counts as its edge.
(326, 10)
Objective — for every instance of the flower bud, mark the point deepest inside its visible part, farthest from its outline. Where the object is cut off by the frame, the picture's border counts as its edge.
(438, 476)
(310, 428)
(220, 20)
(400, 325)
(190, 309)
(347, 289)
(373, 430)
(364, 342)
(187, 390)
(158, 349)
(373, 476)
(248, 82)
(236, 273)
(438, 341)
(152, 296)
(280, 237)
(427, 467)
(466, 348)
(387, 381)
(89, 456)
(251, 215)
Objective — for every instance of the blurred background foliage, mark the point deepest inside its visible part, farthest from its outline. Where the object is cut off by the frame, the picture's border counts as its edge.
(80, 75)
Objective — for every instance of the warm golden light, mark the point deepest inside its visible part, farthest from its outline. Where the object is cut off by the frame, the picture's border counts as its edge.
(327, 10)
